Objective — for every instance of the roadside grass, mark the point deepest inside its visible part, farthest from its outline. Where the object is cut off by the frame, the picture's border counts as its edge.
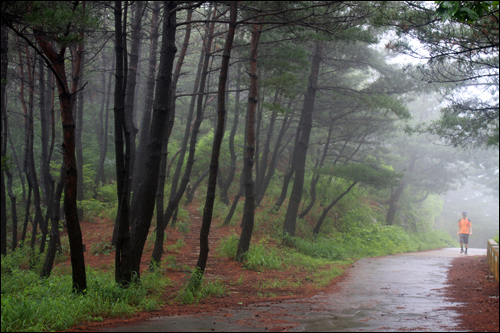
(191, 294)
(31, 304)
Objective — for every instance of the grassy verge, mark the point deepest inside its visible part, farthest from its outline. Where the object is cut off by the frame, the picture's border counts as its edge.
(31, 304)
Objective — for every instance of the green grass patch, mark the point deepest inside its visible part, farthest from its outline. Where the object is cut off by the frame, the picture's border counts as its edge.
(33, 304)
(197, 288)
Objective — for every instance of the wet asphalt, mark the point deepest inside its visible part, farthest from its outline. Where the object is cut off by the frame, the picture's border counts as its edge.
(402, 292)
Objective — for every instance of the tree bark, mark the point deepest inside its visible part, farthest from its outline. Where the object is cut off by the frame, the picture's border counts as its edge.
(45, 122)
(143, 203)
(131, 82)
(121, 232)
(315, 177)
(3, 138)
(301, 150)
(161, 219)
(249, 208)
(54, 231)
(67, 101)
(224, 185)
(101, 175)
(218, 135)
(78, 141)
(141, 152)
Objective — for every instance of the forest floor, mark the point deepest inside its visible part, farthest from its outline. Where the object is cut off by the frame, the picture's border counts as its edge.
(245, 286)
(468, 278)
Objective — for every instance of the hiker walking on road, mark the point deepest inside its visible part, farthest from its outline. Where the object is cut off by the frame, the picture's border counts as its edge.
(464, 230)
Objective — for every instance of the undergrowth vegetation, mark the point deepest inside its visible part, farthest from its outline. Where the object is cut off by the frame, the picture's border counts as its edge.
(31, 304)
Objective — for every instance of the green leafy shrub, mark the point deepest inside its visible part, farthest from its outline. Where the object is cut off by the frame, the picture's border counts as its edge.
(107, 193)
(91, 209)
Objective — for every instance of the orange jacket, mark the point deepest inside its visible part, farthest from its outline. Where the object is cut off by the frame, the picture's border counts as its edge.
(464, 225)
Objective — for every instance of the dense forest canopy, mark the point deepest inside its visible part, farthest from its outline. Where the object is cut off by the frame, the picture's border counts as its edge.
(132, 106)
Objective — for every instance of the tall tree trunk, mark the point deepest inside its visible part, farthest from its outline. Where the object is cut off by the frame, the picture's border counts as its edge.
(78, 140)
(100, 175)
(315, 177)
(121, 232)
(3, 138)
(161, 219)
(301, 150)
(291, 168)
(176, 193)
(214, 160)
(45, 177)
(274, 159)
(249, 209)
(29, 160)
(259, 178)
(67, 100)
(224, 187)
(140, 161)
(143, 203)
(12, 196)
(131, 82)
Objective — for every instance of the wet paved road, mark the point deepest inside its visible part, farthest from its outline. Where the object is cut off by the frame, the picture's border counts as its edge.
(392, 293)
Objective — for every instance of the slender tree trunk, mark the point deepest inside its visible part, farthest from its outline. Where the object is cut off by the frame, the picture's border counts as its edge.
(301, 150)
(218, 135)
(259, 178)
(249, 209)
(56, 62)
(78, 141)
(131, 82)
(45, 177)
(27, 217)
(176, 193)
(143, 203)
(291, 168)
(224, 187)
(101, 175)
(121, 232)
(54, 230)
(274, 160)
(191, 190)
(3, 138)
(140, 160)
(29, 160)
(315, 177)
(329, 207)
(161, 219)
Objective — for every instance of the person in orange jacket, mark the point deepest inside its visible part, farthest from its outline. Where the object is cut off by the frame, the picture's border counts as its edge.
(464, 230)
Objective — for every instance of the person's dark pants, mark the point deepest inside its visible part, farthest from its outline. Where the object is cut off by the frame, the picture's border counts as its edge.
(464, 238)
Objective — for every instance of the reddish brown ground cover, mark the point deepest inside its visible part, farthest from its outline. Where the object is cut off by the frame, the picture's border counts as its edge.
(471, 282)
(245, 286)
